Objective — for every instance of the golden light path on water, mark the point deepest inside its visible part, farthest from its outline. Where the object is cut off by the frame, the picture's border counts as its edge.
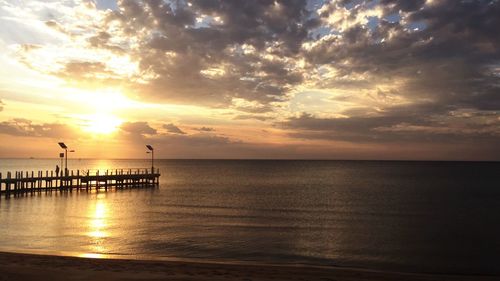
(98, 216)
(97, 232)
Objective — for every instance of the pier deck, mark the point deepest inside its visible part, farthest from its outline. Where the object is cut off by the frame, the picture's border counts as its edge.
(31, 182)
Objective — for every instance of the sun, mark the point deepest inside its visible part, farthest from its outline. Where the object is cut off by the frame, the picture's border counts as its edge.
(102, 109)
(102, 123)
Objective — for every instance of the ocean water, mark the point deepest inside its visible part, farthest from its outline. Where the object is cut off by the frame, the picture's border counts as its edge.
(439, 217)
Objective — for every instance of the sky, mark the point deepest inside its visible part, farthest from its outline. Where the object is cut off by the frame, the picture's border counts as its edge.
(340, 79)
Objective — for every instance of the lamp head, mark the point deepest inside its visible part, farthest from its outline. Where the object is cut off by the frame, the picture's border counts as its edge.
(149, 147)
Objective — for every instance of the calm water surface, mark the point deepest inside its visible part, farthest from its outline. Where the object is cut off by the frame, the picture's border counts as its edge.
(410, 216)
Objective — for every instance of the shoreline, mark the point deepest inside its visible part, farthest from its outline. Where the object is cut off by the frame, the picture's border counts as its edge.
(36, 266)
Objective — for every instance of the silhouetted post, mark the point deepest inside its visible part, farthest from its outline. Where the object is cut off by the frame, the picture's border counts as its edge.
(7, 187)
(152, 151)
(78, 179)
(32, 181)
(65, 147)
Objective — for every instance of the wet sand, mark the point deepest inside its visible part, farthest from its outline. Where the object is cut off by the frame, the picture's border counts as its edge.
(24, 267)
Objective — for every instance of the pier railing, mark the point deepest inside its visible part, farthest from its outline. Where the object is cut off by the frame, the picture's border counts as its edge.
(25, 182)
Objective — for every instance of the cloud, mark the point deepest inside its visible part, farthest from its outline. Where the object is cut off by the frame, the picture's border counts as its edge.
(211, 52)
(56, 26)
(205, 129)
(178, 144)
(446, 60)
(400, 126)
(138, 128)
(429, 68)
(196, 140)
(88, 74)
(251, 116)
(171, 128)
(26, 128)
(138, 133)
(102, 40)
(1, 105)
(254, 50)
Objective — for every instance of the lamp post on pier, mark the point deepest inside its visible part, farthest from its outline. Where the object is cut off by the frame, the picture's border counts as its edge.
(65, 147)
(152, 151)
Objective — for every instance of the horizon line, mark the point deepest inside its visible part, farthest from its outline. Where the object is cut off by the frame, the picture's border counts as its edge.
(253, 159)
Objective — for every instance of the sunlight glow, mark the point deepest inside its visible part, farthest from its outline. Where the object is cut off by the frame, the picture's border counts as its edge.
(102, 123)
(92, 255)
(102, 100)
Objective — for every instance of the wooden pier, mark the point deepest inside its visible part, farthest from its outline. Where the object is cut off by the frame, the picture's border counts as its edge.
(30, 182)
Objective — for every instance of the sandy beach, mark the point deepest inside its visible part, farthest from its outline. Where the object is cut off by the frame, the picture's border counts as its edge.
(24, 267)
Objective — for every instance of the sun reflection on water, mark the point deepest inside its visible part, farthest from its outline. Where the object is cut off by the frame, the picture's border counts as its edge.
(97, 225)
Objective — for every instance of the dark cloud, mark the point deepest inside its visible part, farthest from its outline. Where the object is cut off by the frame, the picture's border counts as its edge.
(138, 128)
(1, 105)
(401, 124)
(171, 128)
(102, 40)
(402, 5)
(209, 52)
(447, 60)
(205, 129)
(447, 70)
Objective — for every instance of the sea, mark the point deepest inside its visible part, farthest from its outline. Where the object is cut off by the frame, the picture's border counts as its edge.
(426, 217)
